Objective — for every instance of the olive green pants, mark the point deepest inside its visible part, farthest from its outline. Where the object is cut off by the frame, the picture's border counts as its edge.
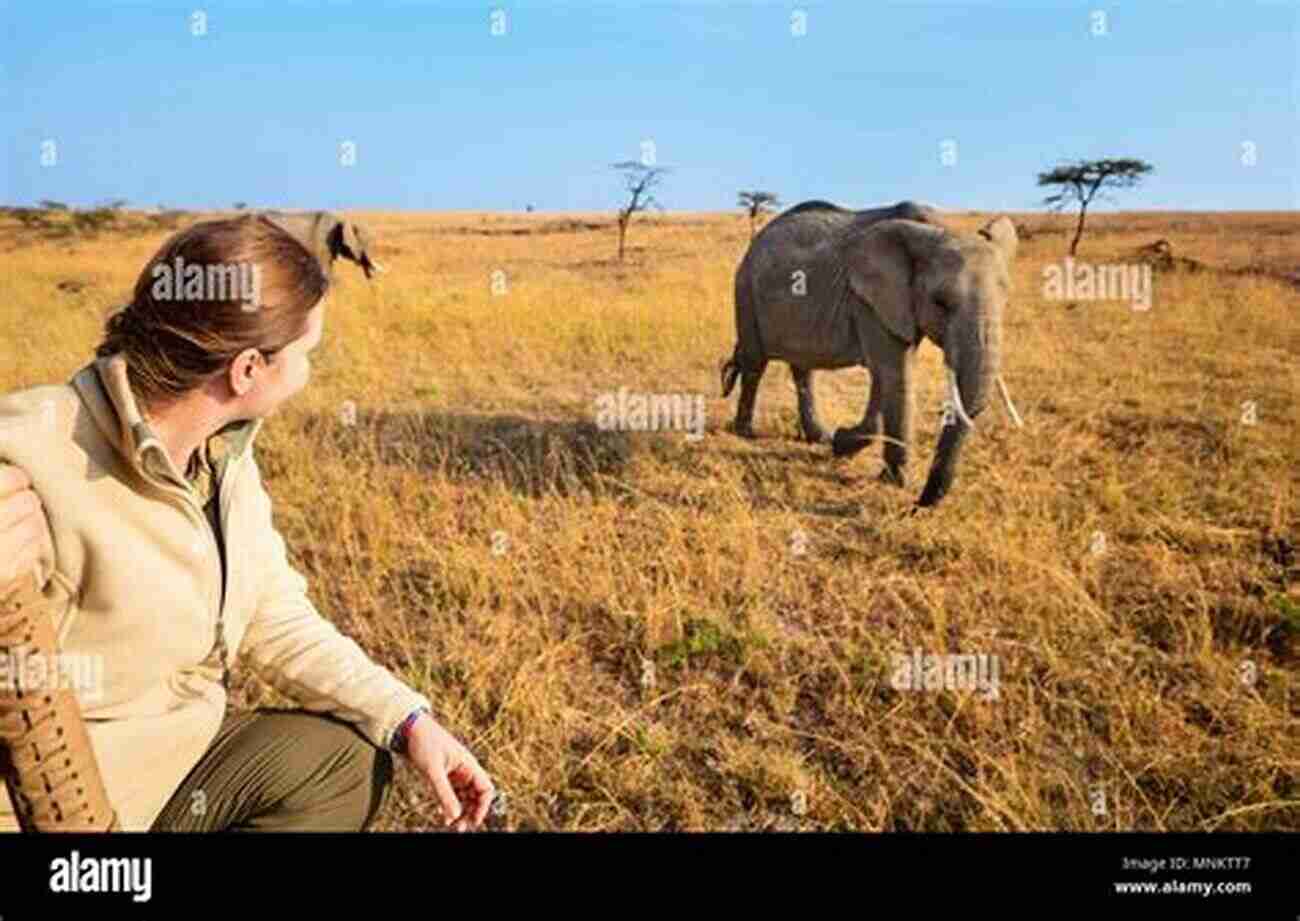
(281, 770)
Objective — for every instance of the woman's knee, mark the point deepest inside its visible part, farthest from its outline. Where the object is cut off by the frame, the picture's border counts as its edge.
(356, 775)
(338, 778)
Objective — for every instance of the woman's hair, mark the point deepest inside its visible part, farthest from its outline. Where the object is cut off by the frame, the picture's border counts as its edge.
(212, 291)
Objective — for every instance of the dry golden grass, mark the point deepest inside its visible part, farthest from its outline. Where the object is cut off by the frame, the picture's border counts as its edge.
(1160, 670)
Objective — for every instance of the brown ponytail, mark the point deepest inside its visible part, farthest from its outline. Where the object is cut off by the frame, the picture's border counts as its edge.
(177, 335)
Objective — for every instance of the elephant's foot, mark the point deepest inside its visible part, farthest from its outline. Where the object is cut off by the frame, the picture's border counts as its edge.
(847, 442)
(743, 429)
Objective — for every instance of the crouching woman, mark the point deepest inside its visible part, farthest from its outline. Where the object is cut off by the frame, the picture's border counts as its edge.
(133, 494)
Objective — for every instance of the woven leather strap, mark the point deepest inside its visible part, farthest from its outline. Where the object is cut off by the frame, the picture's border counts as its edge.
(46, 758)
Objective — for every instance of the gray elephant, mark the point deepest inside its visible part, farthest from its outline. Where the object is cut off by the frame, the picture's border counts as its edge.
(823, 287)
(328, 236)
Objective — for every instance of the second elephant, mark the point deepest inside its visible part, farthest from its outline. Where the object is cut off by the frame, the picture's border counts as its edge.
(823, 287)
(328, 236)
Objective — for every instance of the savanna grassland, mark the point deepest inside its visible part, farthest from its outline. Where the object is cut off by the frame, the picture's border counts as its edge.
(636, 631)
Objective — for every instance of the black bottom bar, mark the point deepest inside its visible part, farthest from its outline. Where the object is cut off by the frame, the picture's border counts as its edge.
(1128, 875)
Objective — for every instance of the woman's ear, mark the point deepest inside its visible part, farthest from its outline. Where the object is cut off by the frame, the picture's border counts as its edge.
(244, 370)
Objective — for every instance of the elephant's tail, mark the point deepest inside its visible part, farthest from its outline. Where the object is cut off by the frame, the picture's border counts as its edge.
(730, 371)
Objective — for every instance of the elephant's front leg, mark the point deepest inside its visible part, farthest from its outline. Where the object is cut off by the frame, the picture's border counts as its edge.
(876, 350)
(852, 440)
(871, 422)
(896, 408)
(803, 388)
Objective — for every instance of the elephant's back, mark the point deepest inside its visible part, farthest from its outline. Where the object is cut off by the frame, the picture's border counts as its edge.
(788, 243)
(815, 205)
(803, 227)
(792, 280)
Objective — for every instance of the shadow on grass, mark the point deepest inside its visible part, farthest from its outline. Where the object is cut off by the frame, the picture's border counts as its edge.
(537, 457)
(529, 456)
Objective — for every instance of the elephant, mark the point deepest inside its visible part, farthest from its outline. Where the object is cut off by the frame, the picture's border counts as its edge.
(824, 287)
(328, 236)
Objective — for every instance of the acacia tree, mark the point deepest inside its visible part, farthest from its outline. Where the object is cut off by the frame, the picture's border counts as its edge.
(756, 203)
(639, 179)
(1082, 181)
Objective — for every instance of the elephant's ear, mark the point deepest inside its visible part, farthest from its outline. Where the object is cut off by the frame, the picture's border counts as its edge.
(1002, 234)
(882, 261)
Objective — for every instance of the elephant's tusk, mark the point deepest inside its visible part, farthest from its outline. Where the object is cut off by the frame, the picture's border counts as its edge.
(1011, 407)
(378, 268)
(956, 399)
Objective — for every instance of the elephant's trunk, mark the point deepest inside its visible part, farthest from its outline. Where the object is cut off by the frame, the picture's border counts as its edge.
(972, 355)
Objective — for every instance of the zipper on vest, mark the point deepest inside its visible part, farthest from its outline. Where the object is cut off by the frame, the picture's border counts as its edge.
(222, 479)
(186, 497)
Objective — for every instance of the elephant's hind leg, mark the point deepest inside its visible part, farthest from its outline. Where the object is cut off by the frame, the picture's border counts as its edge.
(749, 378)
(803, 388)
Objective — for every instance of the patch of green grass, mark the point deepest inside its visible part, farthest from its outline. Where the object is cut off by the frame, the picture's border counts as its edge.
(645, 745)
(1289, 609)
(704, 639)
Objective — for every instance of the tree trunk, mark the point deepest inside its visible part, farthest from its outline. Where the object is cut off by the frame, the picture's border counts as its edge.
(1078, 230)
(622, 232)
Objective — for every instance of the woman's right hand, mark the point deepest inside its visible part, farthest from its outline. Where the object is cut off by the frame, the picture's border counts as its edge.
(23, 531)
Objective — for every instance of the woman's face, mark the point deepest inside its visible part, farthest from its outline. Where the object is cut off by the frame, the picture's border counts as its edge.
(288, 371)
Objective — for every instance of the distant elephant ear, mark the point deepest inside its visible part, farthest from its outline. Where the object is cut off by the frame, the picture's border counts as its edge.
(882, 261)
(1002, 234)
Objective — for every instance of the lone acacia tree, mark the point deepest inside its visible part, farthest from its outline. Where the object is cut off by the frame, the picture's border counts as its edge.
(639, 179)
(756, 203)
(1082, 181)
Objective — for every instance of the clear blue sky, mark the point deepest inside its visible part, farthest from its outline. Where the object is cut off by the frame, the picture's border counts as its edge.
(445, 115)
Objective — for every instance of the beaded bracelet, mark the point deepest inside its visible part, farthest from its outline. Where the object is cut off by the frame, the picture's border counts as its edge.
(399, 736)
